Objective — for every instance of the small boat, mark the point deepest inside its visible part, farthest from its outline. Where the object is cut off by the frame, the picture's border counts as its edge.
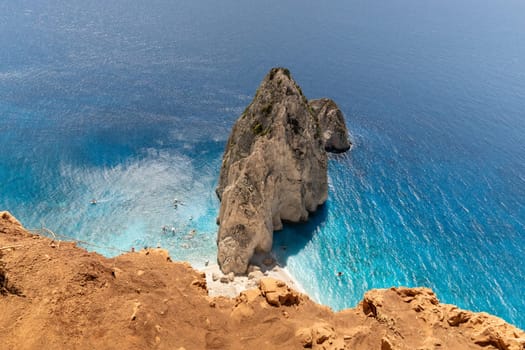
(93, 201)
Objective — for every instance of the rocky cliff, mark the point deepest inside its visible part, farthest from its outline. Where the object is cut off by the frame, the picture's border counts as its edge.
(332, 123)
(55, 295)
(274, 167)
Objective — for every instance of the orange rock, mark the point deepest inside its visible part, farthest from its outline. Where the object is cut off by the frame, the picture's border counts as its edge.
(81, 300)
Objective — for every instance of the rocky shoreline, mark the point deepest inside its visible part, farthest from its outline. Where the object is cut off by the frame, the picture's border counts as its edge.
(55, 295)
(231, 286)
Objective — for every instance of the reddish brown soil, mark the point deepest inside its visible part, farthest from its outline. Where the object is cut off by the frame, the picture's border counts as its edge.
(55, 295)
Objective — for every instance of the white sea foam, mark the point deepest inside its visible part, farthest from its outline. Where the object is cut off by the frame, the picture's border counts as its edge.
(135, 201)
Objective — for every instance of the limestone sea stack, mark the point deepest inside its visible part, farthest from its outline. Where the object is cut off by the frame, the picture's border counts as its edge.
(274, 168)
(332, 123)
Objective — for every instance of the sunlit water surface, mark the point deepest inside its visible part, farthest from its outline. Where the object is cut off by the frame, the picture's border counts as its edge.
(131, 103)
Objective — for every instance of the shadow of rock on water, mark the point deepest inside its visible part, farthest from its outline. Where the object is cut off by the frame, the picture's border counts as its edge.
(295, 236)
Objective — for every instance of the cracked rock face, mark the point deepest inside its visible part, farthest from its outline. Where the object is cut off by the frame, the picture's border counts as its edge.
(274, 169)
(415, 319)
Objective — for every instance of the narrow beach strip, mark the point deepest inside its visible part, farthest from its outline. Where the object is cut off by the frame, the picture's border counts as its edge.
(230, 286)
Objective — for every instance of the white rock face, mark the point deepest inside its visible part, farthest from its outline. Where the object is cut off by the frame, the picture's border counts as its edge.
(274, 169)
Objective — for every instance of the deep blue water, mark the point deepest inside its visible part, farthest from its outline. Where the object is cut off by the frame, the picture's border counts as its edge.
(131, 102)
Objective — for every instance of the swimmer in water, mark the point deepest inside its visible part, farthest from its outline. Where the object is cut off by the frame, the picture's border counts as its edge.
(191, 234)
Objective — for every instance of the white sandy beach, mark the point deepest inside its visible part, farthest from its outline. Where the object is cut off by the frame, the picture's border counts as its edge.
(222, 285)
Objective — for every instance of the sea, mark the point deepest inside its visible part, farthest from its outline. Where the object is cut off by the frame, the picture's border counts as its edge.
(130, 102)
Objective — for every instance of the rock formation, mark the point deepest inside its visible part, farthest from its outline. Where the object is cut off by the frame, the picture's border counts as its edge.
(59, 296)
(332, 123)
(274, 167)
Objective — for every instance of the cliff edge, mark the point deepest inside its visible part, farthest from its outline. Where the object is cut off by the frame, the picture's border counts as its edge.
(55, 295)
(274, 167)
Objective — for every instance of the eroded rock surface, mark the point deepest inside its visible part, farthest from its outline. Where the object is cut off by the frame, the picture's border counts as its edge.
(72, 299)
(332, 123)
(274, 169)
(413, 318)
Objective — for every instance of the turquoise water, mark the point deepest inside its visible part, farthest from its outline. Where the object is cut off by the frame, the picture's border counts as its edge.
(132, 102)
